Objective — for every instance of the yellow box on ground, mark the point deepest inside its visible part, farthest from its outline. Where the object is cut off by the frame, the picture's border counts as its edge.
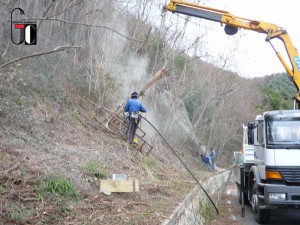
(119, 185)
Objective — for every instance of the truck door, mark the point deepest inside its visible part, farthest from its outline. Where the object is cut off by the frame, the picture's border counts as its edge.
(259, 152)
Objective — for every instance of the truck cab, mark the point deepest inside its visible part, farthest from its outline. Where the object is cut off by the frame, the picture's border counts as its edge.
(274, 177)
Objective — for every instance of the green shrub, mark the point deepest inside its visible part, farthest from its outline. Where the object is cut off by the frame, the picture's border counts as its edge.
(52, 185)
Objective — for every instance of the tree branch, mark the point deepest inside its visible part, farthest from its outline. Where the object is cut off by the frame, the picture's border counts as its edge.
(88, 25)
(57, 49)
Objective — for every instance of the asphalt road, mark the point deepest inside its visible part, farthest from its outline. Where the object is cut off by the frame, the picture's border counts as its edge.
(278, 216)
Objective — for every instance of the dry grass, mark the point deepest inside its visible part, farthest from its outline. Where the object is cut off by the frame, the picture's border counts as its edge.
(75, 155)
(65, 139)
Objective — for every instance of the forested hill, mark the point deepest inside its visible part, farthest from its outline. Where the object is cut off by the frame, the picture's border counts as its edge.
(279, 91)
(93, 54)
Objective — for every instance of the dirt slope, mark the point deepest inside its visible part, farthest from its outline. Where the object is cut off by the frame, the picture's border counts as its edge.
(81, 156)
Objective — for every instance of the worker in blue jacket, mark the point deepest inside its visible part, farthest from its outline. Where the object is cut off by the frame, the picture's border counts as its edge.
(133, 107)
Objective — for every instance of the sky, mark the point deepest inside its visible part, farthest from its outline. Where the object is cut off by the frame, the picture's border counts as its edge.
(246, 53)
(250, 55)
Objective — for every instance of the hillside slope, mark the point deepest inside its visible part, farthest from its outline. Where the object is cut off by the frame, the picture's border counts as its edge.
(54, 153)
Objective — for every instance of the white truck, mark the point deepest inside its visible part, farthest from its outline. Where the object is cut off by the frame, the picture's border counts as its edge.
(267, 169)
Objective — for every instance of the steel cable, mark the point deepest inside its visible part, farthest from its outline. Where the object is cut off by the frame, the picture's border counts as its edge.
(182, 163)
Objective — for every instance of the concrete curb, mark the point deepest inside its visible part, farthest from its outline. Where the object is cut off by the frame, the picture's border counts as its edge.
(189, 211)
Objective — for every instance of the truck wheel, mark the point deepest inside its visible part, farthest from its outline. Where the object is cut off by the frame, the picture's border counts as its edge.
(262, 216)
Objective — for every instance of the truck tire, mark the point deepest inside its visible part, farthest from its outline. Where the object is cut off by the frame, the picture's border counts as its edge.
(262, 216)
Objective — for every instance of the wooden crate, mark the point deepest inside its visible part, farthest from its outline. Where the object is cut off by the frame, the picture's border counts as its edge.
(119, 185)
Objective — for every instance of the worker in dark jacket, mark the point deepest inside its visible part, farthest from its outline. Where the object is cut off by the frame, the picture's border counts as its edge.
(133, 107)
(213, 156)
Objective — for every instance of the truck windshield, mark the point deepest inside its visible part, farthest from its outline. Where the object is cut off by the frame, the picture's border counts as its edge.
(283, 132)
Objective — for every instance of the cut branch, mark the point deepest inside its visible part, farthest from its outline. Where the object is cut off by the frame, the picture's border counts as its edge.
(12, 168)
(57, 49)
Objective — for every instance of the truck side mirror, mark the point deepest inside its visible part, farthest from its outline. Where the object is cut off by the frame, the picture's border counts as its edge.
(250, 137)
(251, 125)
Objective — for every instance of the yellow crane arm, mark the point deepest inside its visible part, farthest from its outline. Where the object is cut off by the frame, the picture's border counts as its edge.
(234, 22)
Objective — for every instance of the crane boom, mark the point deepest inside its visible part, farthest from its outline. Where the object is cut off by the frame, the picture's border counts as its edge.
(232, 23)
